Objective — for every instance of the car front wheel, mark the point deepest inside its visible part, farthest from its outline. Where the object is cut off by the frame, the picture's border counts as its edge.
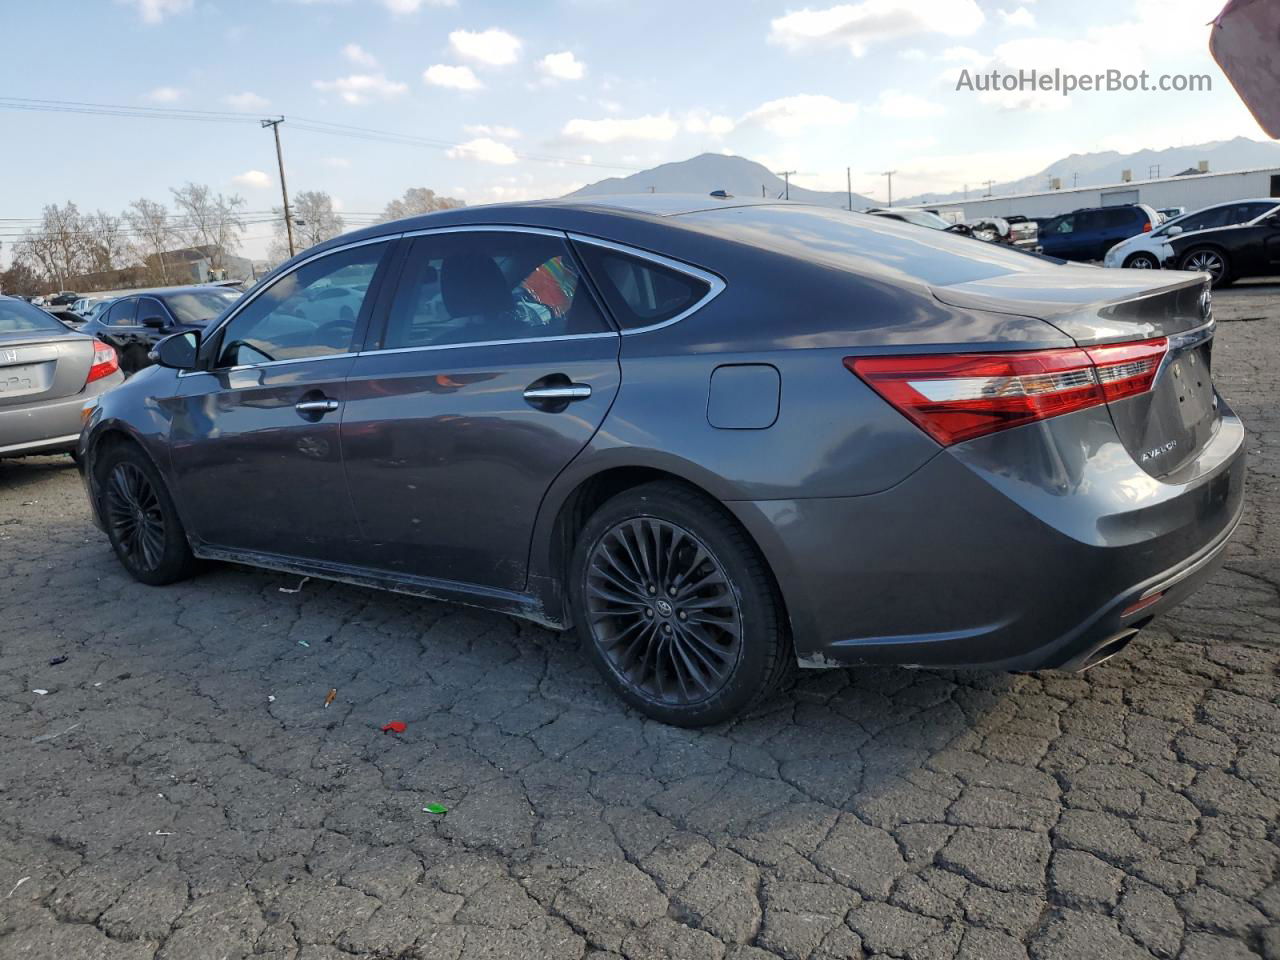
(1142, 261)
(676, 608)
(141, 520)
(1210, 261)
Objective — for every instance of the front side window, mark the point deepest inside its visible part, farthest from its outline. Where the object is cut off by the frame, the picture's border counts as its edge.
(486, 286)
(309, 312)
(639, 292)
(1204, 219)
(197, 307)
(1064, 225)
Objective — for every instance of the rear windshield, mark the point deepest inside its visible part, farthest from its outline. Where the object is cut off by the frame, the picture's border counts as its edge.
(865, 243)
(18, 316)
(197, 307)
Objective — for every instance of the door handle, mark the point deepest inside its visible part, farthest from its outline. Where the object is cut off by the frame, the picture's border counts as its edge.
(316, 406)
(567, 392)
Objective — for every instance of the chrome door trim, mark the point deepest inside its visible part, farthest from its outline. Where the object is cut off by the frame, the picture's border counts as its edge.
(715, 284)
(266, 363)
(489, 343)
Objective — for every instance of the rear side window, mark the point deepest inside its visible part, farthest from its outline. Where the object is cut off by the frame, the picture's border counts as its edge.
(1203, 219)
(123, 313)
(639, 292)
(1121, 217)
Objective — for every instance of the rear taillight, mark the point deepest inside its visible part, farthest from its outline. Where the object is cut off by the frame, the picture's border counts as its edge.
(956, 397)
(105, 362)
(1146, 227)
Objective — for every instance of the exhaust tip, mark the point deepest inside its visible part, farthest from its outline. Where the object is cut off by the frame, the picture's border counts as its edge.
(1109, 648)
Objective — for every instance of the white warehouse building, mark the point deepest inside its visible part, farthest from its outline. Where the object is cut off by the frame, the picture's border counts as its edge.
(1191, 191)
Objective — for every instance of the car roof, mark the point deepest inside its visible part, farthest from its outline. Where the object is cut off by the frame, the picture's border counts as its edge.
(162, 291)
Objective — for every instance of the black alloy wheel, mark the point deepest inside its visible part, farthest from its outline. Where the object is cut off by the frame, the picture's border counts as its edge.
(134, 516)
(662, 611)
(676, 607)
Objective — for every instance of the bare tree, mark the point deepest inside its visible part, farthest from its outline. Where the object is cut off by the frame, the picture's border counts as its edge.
(314, 221)
(106, 243)
(209, 220)
(418, 200)
(58, 249)
(153, 235)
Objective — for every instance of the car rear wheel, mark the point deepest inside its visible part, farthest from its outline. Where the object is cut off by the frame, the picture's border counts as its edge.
(676, 608)
(140, 518)
(1142, 261)
(1211, 261)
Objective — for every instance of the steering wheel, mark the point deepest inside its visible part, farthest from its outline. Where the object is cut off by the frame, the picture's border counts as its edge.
(233, 349)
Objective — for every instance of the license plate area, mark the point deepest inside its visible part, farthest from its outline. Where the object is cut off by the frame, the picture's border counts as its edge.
(25, 379)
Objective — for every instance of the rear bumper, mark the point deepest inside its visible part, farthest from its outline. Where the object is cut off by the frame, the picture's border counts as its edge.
(1019, 551)
(50, 426)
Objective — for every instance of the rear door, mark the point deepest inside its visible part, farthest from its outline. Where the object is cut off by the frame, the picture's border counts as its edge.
(254, 435)
(494, 369)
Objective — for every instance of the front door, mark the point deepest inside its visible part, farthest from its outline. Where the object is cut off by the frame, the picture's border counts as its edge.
(494, 370)
(255, 435)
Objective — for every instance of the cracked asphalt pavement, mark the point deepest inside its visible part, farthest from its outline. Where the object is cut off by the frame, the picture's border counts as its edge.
(181, 791)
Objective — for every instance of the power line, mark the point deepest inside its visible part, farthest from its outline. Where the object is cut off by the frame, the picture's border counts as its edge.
(297, 123)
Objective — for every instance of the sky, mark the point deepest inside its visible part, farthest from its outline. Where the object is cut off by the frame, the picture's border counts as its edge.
(536, 98)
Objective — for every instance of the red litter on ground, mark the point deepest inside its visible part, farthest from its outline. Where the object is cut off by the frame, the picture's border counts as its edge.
(395, 726)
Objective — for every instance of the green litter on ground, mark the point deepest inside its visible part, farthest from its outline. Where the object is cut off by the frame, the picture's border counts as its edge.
(435, 808)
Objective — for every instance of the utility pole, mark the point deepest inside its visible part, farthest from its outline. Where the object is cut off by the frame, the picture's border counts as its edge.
(284, 191)
(786, 176)
(889, 174)
(990, 184)
(848, 185)
(763, 194)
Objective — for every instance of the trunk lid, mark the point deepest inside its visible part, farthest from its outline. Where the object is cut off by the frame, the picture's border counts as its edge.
(36, 367)
(1166, 427)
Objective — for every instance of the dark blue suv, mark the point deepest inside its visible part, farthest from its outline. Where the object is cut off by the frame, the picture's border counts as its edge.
(1088, 234)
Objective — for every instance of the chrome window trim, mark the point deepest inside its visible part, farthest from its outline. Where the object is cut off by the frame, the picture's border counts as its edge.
(716, 285)
(215, 330)
(487, 228)
(266, 363)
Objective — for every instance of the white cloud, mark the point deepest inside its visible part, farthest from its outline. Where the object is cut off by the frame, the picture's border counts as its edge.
(914, 54)
(362, 87)
(400, 7)
(484, 149)
(788, 116)
(254, 179)
(704, 121)
(492, 47)
(487, 130)
(611, 129)
(246, 101)
(359, 55)
(166, 94)
(562, 66)
(153, 11)
(1021, 17)
(454, 78)
(895, 103)
(340, 163)
(858, 25)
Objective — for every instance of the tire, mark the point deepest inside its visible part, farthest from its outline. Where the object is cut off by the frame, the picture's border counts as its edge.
(1142, 261)
(141, 520)
(710, 650)
(1203, 259)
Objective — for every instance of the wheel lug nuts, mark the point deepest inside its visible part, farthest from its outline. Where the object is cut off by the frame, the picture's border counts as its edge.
(682, 615)
(649, 614)
(652, 588)
(666, 628)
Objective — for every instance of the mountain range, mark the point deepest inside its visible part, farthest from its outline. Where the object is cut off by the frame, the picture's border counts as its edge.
(746, 178)
(738, 176)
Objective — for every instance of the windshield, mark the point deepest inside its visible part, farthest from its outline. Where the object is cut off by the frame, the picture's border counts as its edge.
(198, 307)
(923, 218)
(17, 316)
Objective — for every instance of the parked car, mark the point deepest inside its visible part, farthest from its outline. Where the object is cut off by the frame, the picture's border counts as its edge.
(1020, 233)
(1150, 251)
(1088, 234)
(135, 323)
(1232, 250)
(761, 434)
(61, 302)
(47, 374)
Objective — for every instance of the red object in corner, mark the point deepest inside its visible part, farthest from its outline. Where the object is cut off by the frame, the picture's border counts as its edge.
(395, 726)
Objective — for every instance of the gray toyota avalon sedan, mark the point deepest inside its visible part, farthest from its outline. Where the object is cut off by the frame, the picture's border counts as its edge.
(715, 437)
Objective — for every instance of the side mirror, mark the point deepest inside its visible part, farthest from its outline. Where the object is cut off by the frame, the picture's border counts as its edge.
(155, 323)
(1174, 231)
(178, 352)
